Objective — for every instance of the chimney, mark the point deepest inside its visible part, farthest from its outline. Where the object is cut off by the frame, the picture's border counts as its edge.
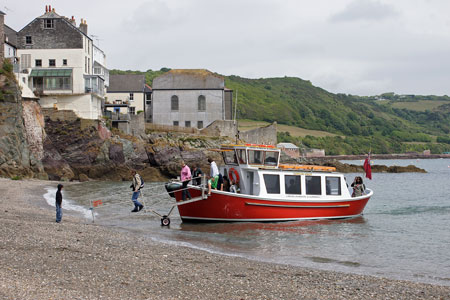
(73, 22)
(46, 8)
(83, 26)
(49, 8)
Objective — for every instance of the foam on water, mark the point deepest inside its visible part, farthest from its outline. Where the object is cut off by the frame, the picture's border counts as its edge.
(49, 196)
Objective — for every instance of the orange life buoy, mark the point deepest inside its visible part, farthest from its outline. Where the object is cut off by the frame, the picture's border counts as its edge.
(234, 172)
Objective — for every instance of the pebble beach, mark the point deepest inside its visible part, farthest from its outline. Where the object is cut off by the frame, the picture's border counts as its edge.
(41, 259)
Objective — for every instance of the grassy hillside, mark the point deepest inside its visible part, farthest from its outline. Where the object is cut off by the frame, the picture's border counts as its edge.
(340, 123)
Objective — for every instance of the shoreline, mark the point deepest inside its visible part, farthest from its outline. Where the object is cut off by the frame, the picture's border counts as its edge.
(80, 260)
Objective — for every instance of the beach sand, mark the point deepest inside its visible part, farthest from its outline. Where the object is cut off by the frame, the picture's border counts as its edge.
(40, 259)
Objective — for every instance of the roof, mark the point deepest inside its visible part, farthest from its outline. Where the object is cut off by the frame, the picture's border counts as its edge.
(287, 146)
(51, 72)
(11, 34)
(188, 79)
(126, 83)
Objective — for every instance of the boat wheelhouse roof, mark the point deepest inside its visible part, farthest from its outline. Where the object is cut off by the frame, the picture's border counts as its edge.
(263, 156)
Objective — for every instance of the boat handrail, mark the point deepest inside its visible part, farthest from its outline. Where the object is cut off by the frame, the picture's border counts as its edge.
(307, 168)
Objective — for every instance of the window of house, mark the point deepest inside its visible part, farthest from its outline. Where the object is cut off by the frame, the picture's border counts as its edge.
(333, 185)
(57, 83)
(28, 40)
(176, 123)
(292, 184)
(132, 110)
(52, 63)
(64, 62)
(201, 103)
(131, 96)
(187, 124)
(38, 62)
(49, 23)
(174, 103)
(313, 185)
(272, 183)
(199, 124)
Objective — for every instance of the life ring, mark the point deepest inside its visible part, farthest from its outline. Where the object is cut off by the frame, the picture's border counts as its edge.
(234, 172)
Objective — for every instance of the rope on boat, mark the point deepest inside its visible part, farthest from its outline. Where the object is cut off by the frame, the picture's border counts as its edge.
(98, 204)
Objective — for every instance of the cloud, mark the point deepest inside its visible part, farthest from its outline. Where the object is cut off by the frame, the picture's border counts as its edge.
(365, 10)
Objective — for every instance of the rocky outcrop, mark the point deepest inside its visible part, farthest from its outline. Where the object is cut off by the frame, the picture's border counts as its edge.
(21, 132)
(350, 168)
(74, 152)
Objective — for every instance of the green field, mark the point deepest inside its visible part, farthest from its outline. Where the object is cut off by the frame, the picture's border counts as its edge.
(421, 105)
(245, 125)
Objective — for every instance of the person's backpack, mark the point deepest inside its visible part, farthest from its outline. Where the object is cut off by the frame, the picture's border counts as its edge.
(142, 182)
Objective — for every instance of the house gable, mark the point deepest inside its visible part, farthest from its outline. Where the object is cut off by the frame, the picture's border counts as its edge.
(62, 35)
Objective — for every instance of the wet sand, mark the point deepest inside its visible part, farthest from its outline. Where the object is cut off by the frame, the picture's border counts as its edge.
(40, 259)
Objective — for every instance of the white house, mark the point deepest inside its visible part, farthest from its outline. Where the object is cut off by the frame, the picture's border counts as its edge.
(57, 58)
(190, 98)
(128, 89)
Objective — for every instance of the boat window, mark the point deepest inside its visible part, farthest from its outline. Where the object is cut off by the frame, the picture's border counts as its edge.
(271, 158)
(292, 184)
(229, 157)
(255, 157)
(333, 186)
(242, 157)
(272, 183)
(313, 185)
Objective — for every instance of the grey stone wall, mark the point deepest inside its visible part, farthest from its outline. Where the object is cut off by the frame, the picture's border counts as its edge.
(2, 36)
(264, 135)
(62, 36)
(137, 124)
(221, 128)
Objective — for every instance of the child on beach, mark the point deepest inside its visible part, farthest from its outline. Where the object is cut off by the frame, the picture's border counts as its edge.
(58, 204)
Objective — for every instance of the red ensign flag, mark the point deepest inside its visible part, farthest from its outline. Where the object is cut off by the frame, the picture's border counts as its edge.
(367, 167)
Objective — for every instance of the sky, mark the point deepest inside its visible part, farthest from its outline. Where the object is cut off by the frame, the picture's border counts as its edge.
(359, 47)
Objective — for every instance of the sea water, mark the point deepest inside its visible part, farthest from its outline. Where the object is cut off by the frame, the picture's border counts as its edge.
(403, 234)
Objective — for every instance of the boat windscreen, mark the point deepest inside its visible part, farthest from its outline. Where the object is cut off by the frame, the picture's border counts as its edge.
(229, 157)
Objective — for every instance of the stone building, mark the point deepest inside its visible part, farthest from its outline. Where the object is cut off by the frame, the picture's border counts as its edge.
(57, 63)
(290, 149)
(10, 43)
(190, 98)
(2, 34)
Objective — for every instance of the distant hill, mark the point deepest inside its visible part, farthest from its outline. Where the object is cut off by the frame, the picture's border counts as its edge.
(386, 123)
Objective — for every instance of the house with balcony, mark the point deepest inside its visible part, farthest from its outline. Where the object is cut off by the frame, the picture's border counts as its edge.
(61, 64)
(190, 98)
(127, 93)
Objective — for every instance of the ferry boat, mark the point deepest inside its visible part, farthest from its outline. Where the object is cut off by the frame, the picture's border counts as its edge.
(270, 191)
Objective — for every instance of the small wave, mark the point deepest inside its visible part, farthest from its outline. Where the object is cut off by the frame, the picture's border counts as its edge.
(66, 204)
(413, 210)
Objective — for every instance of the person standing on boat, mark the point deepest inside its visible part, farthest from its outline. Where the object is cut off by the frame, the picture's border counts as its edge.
(358, 187)
(197, 175)
(58, 204)
(214, 171)
(233, 188)
(185, 178)
(136, 186)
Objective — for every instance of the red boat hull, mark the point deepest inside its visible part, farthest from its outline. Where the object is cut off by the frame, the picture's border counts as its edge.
(222, 206)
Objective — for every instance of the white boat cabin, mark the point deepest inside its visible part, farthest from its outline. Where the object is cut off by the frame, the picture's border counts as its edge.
(258, 172)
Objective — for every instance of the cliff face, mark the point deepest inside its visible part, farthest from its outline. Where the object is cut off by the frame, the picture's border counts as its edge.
(18, 157)
(72, 152)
